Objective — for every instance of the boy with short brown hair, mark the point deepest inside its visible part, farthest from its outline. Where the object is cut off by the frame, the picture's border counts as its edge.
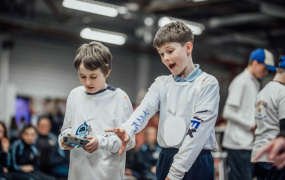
(187, 101)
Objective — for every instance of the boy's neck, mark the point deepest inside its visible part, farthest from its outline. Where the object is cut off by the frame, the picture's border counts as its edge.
(279, 78)
(250, 70)
(188, 70)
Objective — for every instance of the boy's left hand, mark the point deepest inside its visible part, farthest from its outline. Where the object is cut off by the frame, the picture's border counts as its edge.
(123, 135)
(92, 145)
(167, 178)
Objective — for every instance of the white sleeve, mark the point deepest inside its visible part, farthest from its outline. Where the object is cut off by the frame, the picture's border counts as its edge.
(234, 99)
(235, 95)
(113, 143)
(201, 127)
(128, 111)
(148, 107)
(231, 114)
(66, 127)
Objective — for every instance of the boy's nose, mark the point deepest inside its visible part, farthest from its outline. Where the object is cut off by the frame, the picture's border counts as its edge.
(166, 58)
(88, 82)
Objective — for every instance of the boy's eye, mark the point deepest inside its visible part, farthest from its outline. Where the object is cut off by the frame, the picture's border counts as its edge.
(161, 54)
(82, 77)
(170, 51)
(93, 77)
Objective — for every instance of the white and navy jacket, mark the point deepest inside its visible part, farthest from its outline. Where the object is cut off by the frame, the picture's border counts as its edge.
(24, 154)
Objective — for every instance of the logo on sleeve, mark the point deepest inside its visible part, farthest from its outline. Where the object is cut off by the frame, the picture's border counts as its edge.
(193, 127)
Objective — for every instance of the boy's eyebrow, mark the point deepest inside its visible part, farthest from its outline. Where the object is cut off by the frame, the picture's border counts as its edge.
(89, 74)
(169, 47)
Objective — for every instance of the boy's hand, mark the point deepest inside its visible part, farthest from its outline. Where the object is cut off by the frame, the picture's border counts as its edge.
(124, 136)
(275, 152)
(92, 145)
(5, 144)
(27, 168)
(167, 178)
(66, 147)
(153, 169)
(5, 170)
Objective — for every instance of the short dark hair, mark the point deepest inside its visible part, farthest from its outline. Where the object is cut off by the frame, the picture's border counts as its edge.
(93, 55)
(173, 32)
(43, 117)
(27, 126)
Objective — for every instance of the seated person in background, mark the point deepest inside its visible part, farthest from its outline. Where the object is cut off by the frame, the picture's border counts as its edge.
(24, 155)
(59, 162)
(132, 170)
(4, 152)
(148, 154)
(13, 130)
(45, 142)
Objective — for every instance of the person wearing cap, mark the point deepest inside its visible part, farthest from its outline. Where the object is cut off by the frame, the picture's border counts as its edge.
(239, 111)
(270, 121)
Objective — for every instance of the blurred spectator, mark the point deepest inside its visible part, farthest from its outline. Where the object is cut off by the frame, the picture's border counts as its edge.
(45, 142)
(270, 120)
(148, 154)
(59, 162)
(22, 123)
(24, 155)
(56, 115)
(14, 131)
(4, 152)
(239, 111)
(132, 167)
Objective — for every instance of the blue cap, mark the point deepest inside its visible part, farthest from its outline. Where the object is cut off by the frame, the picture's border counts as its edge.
(264, 56)
(282, 62)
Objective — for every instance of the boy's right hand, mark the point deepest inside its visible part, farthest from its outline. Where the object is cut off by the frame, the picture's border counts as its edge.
(27, 168)
(66, 147)
(275, 152)
(5, 145)
(123, 135)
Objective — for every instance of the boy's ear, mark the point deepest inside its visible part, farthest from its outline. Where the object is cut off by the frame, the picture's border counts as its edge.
(254, 62)
(189, 47)
(107, 75)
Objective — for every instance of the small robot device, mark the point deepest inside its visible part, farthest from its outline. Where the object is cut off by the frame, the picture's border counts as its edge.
(80, 140)
(75, 141)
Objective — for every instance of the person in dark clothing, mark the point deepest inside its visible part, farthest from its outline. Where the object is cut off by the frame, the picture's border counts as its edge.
(45, 142)
(132, 170)
(59, 162)
(13, 130)
(4, 153)
(148, 154)
(25, 156)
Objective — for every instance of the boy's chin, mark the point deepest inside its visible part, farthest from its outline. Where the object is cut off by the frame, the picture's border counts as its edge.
(90, 91)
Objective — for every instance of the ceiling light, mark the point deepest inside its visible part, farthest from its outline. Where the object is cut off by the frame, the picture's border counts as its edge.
(92, 7)
(196, 28)
(103, 36)
(148, 21)
(199, 0)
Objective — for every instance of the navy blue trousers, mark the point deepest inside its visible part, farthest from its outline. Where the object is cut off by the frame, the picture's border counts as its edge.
(240, 167)
(267, 171)
(202, 169)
